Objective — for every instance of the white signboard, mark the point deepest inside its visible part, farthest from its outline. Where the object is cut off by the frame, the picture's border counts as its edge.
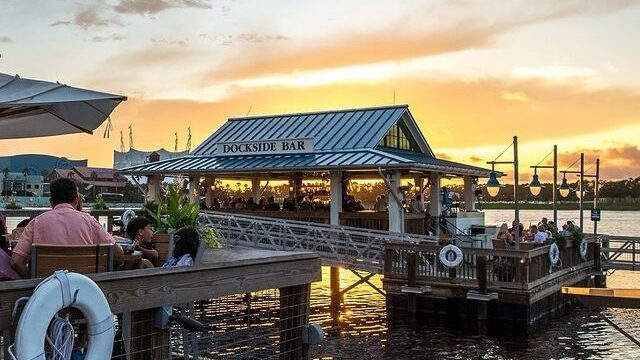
(261, 147)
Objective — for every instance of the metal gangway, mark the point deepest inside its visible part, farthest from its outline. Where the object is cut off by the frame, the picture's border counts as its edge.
(620, 252)
(338, 246)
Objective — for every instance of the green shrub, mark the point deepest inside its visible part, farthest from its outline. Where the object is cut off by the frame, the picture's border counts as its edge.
(12, 204)
(100, 203)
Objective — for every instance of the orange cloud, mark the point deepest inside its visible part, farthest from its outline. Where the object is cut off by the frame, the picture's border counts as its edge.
(615, 162)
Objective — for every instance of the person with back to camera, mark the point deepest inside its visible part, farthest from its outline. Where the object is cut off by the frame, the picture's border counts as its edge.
(63, 225)
(185, 247)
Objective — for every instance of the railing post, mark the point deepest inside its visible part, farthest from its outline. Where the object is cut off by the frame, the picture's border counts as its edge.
(599, 278)
(411, 280)
(481, 268)
(334, 278)
(481, 273)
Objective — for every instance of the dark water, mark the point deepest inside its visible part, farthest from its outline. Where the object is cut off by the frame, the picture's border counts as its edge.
(366, 331)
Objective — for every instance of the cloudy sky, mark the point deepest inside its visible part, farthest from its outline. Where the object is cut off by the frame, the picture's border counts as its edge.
(474, 73)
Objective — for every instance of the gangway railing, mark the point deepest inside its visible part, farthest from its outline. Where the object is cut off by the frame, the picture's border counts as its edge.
(620, 252)
(343, 246)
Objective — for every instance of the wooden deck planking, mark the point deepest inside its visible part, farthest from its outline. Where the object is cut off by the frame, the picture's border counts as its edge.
(222, 272)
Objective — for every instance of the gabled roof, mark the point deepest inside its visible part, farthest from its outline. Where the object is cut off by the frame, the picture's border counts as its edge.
(342, 140)
(321, 161)
(332, 130)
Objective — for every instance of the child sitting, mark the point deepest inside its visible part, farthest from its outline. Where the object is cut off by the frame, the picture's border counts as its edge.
(140, 232)
(185, 247)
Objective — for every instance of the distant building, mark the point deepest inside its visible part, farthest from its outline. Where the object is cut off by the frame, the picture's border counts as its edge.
(93, 180)
(37, 164)
(24, 175)
(136, 157)
(19, 184)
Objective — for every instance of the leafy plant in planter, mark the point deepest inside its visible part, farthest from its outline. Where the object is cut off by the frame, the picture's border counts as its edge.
(208, 234)
(100, 203)
(576, 237)
(173, 212)
(12, 204)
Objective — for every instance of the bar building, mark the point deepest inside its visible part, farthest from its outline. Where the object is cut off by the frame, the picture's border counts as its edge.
(367, 143)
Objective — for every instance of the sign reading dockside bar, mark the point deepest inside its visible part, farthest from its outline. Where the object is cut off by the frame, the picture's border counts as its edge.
(261, 147)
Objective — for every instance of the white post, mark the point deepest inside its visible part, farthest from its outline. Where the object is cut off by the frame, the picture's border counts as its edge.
(469, 194)
(193, 189)
(435, 209)
(396, 212)
(153, 188)
(210, 181)
(418, 186)
(256, 190)
(336, 197)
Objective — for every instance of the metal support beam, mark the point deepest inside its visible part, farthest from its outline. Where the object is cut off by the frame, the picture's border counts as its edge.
(362, 280)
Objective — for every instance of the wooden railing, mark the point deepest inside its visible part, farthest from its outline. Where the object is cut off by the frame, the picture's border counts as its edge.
(252, 303)
(502, 270)
(621, 252)
(414, 223)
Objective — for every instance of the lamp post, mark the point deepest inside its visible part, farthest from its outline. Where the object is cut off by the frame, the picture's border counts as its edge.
(535, 187)
(596, 176)
(580, 195)
(493, 187)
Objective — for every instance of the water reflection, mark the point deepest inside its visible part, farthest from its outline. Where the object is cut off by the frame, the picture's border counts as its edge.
(366, 331)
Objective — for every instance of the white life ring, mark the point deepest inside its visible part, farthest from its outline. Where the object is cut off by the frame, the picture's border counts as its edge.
(554, 254)
(450, 256)
(58, 291)
(584, 247)
(127, 215)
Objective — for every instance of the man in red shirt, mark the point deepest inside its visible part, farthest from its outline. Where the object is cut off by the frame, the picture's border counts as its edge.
(63, 225)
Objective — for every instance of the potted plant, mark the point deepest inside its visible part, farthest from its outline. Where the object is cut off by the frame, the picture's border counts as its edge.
(100, 203)
(12, 204)
(174, 212)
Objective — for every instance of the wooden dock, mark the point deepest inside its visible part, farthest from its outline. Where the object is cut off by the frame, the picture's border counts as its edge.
(490, 283)
(224, 277)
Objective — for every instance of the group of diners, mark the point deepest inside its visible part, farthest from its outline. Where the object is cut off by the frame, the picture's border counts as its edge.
(67, 225)
(538, 235)
(306, 202)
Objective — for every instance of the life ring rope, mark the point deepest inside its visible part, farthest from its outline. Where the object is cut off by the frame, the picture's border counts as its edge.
(59, 291)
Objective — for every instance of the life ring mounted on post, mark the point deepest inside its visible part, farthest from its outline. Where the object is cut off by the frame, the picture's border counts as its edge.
(554, 254)
(583, 248)
(127, 216)
(61, 290)
(450, 256)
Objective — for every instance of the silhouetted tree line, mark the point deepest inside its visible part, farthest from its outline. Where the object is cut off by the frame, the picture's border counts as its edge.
(612, 189)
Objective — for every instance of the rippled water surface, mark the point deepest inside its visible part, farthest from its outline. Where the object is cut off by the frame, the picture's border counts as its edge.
(366, 331)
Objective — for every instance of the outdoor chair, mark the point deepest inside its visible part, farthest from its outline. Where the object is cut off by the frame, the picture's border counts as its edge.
(164, 246)
(82, 259)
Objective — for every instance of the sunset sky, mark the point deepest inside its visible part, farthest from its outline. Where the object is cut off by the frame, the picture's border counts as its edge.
(474, 73)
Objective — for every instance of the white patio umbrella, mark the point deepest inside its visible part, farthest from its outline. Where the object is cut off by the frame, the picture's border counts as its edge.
(33, 108)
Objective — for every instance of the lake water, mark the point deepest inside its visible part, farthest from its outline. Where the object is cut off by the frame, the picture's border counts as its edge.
(366, 331)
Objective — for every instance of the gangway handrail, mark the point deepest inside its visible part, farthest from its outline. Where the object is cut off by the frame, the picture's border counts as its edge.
(337, 245)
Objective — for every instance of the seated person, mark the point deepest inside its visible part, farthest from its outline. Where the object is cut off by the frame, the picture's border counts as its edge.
(185, 247)
(540, 237)
(63, 225)
(140, 232)
(504, 235)
(532, 232)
